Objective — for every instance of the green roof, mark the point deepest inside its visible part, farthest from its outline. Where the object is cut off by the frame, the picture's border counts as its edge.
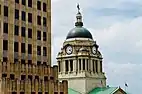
(71, 91)
(104, 90)
(99, 90)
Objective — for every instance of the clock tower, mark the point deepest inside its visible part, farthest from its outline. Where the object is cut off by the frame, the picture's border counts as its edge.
(80, 61)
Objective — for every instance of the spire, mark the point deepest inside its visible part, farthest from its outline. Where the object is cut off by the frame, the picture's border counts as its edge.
(78, 17)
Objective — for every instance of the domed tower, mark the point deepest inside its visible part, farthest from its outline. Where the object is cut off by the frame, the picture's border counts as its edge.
(80, 61)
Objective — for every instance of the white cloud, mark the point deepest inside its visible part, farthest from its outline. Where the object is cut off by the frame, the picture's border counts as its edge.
(115, 34)
(118, 74)
(125, 36)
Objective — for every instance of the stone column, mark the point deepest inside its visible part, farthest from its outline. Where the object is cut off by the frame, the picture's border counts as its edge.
(74, 66)
(63, 66)
(81, 64)
(86, 65)
(91, 65)
(96, 66)
(98, 61)
(78, 65)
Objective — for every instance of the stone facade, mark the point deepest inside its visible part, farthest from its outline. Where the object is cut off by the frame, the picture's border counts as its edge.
(82, 68)
(19, 78)
(26, 27)
(25, 49)
(80, 61)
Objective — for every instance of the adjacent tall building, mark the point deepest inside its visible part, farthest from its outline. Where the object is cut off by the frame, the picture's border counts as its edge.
(25, 49)
(25, 31)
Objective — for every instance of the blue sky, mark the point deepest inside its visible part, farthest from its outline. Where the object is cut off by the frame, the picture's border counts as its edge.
(116, 25)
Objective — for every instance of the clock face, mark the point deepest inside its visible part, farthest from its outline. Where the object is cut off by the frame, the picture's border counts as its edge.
(93, 49)
(69, 49)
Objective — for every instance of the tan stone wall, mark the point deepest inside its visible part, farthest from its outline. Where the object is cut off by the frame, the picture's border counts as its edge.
(28, 85)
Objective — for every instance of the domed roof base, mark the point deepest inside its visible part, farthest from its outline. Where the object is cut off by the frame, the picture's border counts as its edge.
(79, 32)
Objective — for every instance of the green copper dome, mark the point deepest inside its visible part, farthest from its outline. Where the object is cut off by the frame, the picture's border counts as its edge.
(79, 32)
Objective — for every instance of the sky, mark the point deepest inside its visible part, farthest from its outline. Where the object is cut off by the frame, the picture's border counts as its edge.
(116, 26)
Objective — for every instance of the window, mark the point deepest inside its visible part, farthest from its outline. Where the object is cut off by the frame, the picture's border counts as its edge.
(44, 36)
(30, 77)
(29, 33)
(30, 17)
(29, 61)
(15, 60)
(44, 51)
(38, 62)
(59, 66)
(22, 61)
(5, 59)
(101, 66)
(0, 9)
(87, 64)
(23, 16)
(38, 5)
(83, 64)
(16, 47)
(5, 11)
(16, 30)
(23, 32)
(44, 7)
(14, 92)
(4, 75)
(38, 20)
(5, 27)
(38, 35)
(29, 3)
(71, 65)
(55, 92)
(44, 21)
(23, 77)
(66, 65)
(16, 1)
(22, 92)
(5, 44)
(96, 62)
(38, 50)
(23, 2)
(12, 76)
(45, 78)
(79, 64)
(23, 47)
(16, 14)
(29, 49)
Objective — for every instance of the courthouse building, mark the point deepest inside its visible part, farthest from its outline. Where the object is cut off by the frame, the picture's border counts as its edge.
(80, 62)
